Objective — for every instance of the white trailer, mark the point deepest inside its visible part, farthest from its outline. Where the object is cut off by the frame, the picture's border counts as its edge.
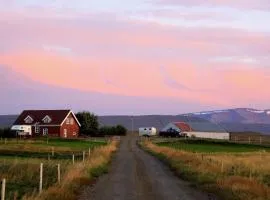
(147, 131)
(22, 130)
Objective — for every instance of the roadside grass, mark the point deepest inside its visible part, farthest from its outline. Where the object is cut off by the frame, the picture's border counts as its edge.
(79, 175)
(213, 146)
(229, 175)
(21, 163)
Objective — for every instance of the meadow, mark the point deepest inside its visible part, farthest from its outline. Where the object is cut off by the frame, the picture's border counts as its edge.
(20, 166)
(231, 171)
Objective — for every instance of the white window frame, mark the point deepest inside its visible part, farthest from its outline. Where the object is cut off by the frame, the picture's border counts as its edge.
(67, 121)
(71, 121)
(47, 119)
(26, 120)
(37, 129)
(45, 131)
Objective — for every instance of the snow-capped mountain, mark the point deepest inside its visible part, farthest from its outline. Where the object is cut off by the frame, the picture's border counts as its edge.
(238, 115)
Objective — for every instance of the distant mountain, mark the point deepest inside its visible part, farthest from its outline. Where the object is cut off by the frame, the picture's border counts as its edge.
(239, 115)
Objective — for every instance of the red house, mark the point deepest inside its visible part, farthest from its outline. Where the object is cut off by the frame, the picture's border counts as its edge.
(59, 123)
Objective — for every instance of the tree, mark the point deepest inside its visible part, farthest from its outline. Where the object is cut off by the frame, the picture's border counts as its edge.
(120, 130)
(89, 123)
(112, 130)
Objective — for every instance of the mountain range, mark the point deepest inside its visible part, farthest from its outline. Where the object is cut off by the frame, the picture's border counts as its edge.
(231, 120)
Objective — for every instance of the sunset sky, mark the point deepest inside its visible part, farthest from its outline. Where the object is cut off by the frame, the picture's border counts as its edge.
(196, 54)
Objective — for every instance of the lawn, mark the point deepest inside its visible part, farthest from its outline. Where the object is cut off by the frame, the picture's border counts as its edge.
(212, 146)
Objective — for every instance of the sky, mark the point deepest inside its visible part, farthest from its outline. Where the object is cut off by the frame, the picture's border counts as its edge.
(196, 54)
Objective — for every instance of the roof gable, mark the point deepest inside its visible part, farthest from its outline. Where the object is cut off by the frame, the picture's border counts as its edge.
(183, 126)
(38, 116)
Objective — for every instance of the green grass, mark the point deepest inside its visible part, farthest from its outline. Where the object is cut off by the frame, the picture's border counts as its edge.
(213, 146)
(98, 171)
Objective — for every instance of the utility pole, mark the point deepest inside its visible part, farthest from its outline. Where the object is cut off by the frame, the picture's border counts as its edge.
(132, 124)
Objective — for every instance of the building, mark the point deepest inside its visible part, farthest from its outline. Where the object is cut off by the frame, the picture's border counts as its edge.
(58, 123)
(198, 130)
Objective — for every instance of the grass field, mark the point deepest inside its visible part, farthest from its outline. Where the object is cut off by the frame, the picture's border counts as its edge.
(212, 146)
(232, 172)
(55, 148)
(20, 164)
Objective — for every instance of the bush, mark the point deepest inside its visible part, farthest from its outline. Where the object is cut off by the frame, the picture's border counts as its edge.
(7, 133)
(113, 130)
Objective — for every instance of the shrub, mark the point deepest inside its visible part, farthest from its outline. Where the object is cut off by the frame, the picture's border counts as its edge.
(112, 130)
(7, 133)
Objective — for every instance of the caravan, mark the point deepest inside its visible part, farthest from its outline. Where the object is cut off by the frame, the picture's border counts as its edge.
(147, 131)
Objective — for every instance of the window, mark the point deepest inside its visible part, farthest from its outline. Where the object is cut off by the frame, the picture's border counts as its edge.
(67, 121)
(45, 131)
(36, 129)
(47, 119)
(65, 133)
(74, 133)
(71, 121)
(28, 120)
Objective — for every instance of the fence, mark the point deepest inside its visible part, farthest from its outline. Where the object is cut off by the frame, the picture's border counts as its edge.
(42, 167)
(234, 138)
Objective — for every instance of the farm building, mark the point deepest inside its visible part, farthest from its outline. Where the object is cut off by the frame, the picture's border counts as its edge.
(198, 129)
(59, 123)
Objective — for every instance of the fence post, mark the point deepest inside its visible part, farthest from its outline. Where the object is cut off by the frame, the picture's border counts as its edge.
(249, 140)
(83, 155)
(89, 152)
(222, 167)
(3, 191)
(52, 151)
(41, 177)
(73, 159)
(59, 173)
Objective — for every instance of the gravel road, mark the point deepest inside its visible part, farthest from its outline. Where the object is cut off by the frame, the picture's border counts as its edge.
(134, 174)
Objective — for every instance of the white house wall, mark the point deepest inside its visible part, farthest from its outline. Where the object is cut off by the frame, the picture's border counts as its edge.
(209, 135)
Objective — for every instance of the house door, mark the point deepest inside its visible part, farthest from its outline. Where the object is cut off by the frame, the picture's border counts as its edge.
(65, 133)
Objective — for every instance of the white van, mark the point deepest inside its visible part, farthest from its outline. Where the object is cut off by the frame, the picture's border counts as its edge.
(147, 131)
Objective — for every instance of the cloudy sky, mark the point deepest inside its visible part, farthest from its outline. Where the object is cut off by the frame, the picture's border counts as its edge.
(198, 54)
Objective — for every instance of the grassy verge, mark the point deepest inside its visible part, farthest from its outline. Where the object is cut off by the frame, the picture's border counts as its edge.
(229, 175)
(79, 175)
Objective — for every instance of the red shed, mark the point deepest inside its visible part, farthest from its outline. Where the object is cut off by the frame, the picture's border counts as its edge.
(59, 123)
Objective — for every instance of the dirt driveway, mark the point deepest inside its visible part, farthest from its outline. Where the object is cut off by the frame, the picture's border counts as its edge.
(135, 174)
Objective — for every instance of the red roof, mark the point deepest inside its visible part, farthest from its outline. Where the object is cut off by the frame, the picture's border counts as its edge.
(56, 116)
(183, 126)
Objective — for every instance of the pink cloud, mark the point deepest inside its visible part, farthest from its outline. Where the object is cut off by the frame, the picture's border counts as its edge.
(240, 4)
(125, 57)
